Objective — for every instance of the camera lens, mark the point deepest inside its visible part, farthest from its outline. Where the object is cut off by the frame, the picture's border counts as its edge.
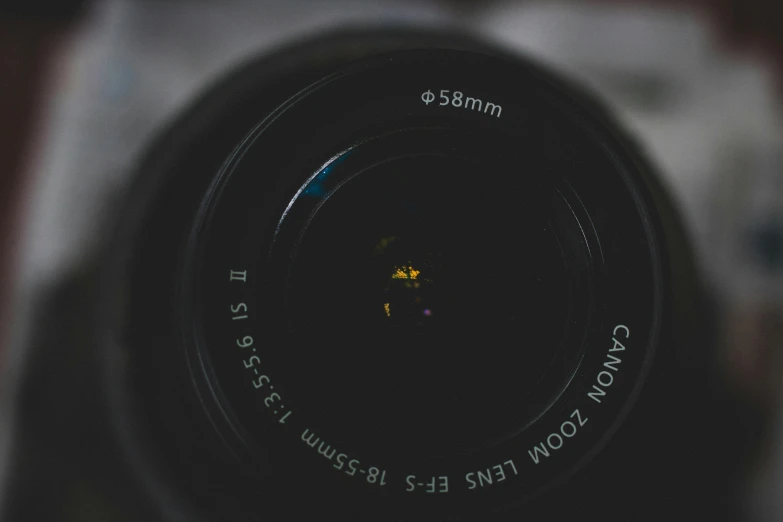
(429, 282)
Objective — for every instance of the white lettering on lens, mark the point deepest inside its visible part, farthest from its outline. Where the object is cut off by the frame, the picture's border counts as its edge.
(340, 460)
(570, 432)
(473, 103)
(536, 450)
(373, 475)
(555, 441)
(254, 360)
(433, 485)
(595, 395)
(238, 275)
(245, 342)
(615, 361)
(490, 108)
(310, 439)
(618, 346)
(604, 378)
(240, 308)
(579, 419)
(457, 99)
(325, 450)
(607, 379)
(484, 479)
(262, 379)
(622, 327)
(558, 441)
(491, 475)
(438, 485)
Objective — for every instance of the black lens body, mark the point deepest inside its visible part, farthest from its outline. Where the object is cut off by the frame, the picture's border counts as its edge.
(406, 278)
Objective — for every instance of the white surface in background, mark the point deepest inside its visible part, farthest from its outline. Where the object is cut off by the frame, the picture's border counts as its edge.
(132, 68)
(710, 120)
(698, 111)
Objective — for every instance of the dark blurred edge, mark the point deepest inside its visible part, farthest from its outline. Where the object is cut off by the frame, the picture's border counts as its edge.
(32, 33)
(29, 41)
(60, 11)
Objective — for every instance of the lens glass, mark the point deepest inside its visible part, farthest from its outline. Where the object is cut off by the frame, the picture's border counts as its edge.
(428, 302)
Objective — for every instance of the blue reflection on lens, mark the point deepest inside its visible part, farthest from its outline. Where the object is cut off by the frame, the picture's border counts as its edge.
(316, 187)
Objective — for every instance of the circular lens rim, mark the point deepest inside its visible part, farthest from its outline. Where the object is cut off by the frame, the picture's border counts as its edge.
(625, 162)
(421, 143)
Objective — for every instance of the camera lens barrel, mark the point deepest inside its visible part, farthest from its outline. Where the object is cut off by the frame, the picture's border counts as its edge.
(428, 281)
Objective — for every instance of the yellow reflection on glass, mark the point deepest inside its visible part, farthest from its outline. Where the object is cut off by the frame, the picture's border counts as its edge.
(405, 272)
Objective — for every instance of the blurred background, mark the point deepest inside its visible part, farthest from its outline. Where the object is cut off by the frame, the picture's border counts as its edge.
(84, 86)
